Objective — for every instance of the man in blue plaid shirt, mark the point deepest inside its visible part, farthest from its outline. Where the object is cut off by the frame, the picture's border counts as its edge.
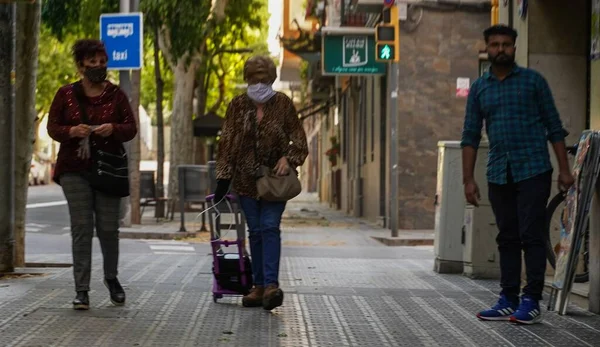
(520, 118)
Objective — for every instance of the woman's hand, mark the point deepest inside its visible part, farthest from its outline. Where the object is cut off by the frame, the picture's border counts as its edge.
(283, 167)
(81, 131)
(105, 130)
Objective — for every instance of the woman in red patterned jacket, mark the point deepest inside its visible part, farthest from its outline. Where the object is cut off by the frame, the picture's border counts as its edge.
(111, 122)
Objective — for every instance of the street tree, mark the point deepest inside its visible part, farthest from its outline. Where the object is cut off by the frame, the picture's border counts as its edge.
(242, 32)
(26, 63)
(185, 25)
(6, 137)
(153, 23)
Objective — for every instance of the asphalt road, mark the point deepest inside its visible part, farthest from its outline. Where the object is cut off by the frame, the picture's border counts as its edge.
(47, 210)
(48, 230)
(37, 244)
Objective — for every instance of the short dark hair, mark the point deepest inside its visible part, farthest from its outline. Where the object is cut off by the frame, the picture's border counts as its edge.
(500, 29)
(87, 48)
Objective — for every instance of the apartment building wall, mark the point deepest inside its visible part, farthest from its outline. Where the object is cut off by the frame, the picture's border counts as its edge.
(443, 47)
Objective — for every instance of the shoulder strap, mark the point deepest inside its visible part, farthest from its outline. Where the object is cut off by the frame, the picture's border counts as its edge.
(79, 95)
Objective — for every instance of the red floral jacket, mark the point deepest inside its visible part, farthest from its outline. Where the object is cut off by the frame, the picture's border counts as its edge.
(112, 106)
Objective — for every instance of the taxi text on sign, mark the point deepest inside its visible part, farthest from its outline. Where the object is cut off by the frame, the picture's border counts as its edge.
(122, 34)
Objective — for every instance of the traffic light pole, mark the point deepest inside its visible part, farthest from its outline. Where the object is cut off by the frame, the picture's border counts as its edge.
(387, 48)
(7, 136)
(393, 117)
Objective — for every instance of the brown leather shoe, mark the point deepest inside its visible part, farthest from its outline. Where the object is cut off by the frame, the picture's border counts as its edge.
(273, 297)
(255, 298)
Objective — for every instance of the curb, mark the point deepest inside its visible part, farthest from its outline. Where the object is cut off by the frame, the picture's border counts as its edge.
(47, 265)
(392, 241)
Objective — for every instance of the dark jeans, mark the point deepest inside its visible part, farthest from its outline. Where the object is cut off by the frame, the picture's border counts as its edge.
(264, 219)
(520, 210)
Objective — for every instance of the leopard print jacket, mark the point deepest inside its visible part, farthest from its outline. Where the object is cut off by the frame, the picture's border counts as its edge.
(280, 133)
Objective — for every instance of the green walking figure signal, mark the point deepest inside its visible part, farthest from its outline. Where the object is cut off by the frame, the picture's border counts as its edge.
(385, 52)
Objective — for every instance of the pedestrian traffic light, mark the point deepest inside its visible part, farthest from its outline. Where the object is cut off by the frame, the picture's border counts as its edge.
(387, 36)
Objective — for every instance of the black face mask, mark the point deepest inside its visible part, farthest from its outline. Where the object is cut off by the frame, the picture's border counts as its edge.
(96, 74)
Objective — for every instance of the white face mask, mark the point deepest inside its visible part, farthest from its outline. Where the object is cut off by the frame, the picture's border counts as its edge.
(260, 92)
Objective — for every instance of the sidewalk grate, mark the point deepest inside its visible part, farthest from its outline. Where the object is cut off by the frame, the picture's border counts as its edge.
(376, 298)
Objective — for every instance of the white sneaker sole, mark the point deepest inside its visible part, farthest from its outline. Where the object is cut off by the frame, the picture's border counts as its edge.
(494, 319)
(533, 321)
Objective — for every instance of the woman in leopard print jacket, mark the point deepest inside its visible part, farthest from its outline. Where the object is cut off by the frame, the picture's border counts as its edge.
(261, 128)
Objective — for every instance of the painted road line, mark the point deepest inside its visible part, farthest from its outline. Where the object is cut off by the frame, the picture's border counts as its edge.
(35, 228)
(47, 204)
(174, 253)
(172, 248)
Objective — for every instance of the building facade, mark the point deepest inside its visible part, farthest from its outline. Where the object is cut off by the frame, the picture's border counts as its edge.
(438, 45)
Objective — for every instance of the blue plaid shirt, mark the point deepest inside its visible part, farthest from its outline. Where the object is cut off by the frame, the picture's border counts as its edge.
(520, 117)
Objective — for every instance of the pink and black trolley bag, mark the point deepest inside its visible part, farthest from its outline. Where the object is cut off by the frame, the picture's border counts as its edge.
(232, 268)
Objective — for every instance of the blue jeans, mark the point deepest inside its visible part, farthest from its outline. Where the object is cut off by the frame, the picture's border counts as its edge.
(264, 219)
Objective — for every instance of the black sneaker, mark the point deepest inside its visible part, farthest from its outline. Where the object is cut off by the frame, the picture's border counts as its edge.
(117, 294)
(82, 301)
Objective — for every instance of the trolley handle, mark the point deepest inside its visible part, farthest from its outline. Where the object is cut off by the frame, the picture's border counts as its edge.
(230, 197)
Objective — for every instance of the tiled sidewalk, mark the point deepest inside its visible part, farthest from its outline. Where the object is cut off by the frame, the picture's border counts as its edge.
(342, 289)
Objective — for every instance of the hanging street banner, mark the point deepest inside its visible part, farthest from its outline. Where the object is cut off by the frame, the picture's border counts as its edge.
(351, 54)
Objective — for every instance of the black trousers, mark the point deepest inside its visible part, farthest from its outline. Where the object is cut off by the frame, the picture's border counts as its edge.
(520, 210)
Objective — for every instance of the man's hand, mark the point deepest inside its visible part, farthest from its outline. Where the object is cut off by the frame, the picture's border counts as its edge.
(105, 130)
(565, 180)
(283, 167)
(81, 131)
(472, 193)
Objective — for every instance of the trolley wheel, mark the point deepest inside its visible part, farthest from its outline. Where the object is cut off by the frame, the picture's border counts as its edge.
(217, 297)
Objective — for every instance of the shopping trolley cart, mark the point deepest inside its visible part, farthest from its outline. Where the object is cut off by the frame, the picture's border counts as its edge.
(232, 270)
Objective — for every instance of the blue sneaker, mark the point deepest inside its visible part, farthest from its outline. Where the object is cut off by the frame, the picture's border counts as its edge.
(501, 311)
(528, 312)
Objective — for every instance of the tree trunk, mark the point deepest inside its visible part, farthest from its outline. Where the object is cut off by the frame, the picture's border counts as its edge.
(182, 148)
(6, 137)
(135, 151)
(27, 30)
(200, 151)
(37, 123)
(160, 136)
(201, 90)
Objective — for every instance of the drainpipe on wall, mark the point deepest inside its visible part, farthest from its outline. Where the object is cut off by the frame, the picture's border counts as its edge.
(511, 13)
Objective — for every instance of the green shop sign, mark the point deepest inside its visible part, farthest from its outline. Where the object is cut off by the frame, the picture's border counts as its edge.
(350, 55)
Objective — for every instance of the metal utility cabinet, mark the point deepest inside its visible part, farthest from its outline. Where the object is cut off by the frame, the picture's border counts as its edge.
(450, 243)
(449, 209)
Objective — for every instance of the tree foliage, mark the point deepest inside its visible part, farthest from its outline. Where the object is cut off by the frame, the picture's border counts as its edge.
(185, 22)
(244, 27)
(55, 67)
(62, 17)
(184, 25)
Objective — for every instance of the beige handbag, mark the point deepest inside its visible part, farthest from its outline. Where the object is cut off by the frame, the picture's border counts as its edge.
(272, 187)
